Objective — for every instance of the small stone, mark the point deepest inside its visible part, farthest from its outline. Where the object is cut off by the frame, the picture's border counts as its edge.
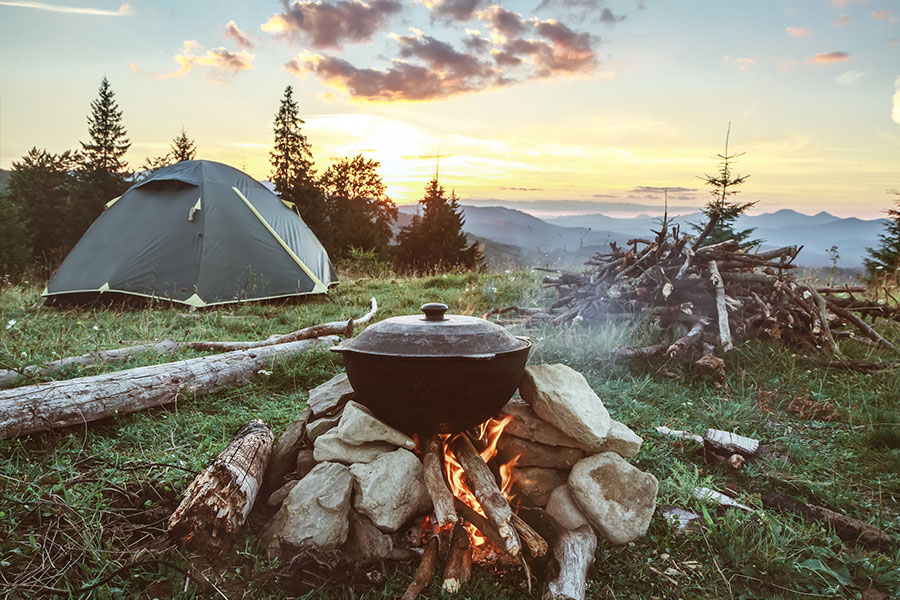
(359, 426)
(391, 489)
(532, 454)
(616, 497)
(365, 542)
(529, 426)
(561, 507)
(330, 447)
(622, 440)
(538, 482)
(306, 462)
(278, 496)
(562, 396)
(315, 513)
(316, 428)
(284, 455)
(329, 397)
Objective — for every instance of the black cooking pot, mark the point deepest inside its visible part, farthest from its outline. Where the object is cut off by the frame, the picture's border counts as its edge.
(435, 373)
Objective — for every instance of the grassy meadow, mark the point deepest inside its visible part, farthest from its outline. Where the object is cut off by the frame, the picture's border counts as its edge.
(83, 510)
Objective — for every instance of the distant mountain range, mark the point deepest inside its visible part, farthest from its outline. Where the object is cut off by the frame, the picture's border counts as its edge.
(513, 236)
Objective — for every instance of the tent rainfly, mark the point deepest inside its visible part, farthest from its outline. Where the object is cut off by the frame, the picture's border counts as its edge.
(200, 233)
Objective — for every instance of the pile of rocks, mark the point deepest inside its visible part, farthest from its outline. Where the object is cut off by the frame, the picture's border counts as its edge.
(341, 478)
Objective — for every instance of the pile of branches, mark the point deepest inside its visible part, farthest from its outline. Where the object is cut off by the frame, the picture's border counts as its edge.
(707, 298)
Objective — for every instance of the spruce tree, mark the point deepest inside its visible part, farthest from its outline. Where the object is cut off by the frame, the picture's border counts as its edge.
(292, 165)
(183, 148)
(883, 264)
(721, 212)
(435, 240)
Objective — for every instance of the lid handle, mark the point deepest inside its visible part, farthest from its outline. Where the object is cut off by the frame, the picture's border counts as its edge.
(434, 311)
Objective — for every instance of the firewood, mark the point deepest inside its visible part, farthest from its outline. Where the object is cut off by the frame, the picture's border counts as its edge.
(10, 377)
(724, 330)
(536, 545)
(217, 502)
(458, 566)
(425, 571)
(440, 495)
(481, 523)
(574, 552)
(681, 345)
(727, 443)
(861, 325)
(852, 531)
(46, 406)
(493, 503)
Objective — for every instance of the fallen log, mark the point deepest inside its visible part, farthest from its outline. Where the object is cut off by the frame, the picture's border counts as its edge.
(484, 486)
(217, 502)
(724, 330)
(574, 552)
(425, 571)
(458, 567)
(46, 406)
(728, 443)
(440, 495)
(10, 377)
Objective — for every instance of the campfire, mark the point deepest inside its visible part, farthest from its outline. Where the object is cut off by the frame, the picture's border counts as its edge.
(536, 486)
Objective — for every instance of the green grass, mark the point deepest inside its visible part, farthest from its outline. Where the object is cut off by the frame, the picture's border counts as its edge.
(79, 506)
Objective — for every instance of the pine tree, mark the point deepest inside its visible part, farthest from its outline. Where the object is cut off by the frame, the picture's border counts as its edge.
(721, 212)
(358, 211)
(105, 152)
(435, 240)
(183, 148)
(102, 173)
(292, 165)
(884, 263)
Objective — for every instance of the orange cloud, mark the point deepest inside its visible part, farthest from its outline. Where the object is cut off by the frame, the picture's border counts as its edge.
(830, 57)
(799, 32)
(842, 20)
(222, 64)
(885, 14)
(331, 24)
(233, 32)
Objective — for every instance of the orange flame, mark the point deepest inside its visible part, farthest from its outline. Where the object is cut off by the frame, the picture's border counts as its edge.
(489, 432)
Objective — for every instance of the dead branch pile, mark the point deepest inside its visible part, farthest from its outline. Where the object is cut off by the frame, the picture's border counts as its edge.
(707, 298)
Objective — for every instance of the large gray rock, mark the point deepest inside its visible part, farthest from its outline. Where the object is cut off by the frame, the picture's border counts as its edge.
(537, 483)
(367, 544)
(622, 440)
(391, 490)
(562, 396)
(315, 513)
(532, 454)
(284, 454)
(319, 427)
(617, 498)
(306, 462)
(527, 425)
(329, 397)
(359, 426)
(330, 447)
(562, 507)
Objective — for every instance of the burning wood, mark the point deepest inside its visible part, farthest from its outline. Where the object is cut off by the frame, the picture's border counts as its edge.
(434, 482)
(425, 571)
(718, 294)
(458, 568)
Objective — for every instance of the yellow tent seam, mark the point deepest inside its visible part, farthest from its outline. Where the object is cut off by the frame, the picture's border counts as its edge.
(111, 202)
(319, 286)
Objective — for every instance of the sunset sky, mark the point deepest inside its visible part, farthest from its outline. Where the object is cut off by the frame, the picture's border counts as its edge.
(587, 100)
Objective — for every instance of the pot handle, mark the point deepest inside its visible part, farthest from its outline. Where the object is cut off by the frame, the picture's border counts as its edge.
(434, 311)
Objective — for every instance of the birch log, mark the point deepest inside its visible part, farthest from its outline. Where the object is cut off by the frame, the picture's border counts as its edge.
(46, 406)
(724, 329)
(574, 552)
(217, 502)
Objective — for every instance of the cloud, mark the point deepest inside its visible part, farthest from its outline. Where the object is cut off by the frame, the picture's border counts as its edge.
(885, 14)
(829, 57)
(607, 16)
(660, 190)
(587, 9)
(744, 63)
(233, 32)
(894, 41)
(123, 11)
(842, 20)
(503, 22)
(569, 52)
(331, 23)
(799, 32)
(441, 56)
(845, 3)
(850, 77)
(222, 64)
(457, 10)
(522, 189)
(895, 114)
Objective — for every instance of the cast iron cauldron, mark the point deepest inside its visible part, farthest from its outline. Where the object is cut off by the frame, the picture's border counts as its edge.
(435, 373)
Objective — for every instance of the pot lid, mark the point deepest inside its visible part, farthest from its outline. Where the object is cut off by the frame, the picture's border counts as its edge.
(435, 334)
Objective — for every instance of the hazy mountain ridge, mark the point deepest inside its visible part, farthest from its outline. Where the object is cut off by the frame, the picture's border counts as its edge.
(575, 237)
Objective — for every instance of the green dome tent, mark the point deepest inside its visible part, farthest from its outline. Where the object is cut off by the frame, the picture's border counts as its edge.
(200, 233)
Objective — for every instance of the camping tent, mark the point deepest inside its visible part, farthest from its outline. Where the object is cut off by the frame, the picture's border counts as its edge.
(200, 233)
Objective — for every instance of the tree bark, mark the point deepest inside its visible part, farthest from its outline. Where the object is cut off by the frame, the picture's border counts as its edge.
(46, 406)
(217, 502)
(440, 495)
(458, 567)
